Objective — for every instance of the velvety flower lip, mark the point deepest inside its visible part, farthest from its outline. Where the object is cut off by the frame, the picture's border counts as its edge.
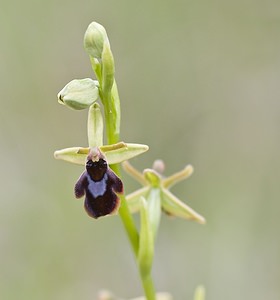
(153, 181)
(99, 184)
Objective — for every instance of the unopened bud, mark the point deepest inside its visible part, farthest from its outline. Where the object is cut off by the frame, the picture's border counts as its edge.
(159, 166)
(79, 94)
(94, 39)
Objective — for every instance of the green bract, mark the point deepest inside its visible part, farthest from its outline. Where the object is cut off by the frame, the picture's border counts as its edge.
(79, 93)
(146, 240)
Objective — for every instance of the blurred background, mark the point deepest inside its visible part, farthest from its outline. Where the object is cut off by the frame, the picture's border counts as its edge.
(199, 83)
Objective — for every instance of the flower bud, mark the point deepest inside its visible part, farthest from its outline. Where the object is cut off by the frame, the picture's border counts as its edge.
(79, 93)
(94, 40)
(159, 166)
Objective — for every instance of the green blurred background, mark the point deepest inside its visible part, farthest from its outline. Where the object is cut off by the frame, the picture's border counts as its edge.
(199, 83)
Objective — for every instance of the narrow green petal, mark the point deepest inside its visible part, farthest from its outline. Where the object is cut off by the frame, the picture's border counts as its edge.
(95, 126)
(75, 155)
(138, 176)
(122, 153)
(146, 241)
(175, 207)
(133, 199)
(177, 177)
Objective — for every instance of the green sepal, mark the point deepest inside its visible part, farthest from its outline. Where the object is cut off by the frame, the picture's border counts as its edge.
(75, 155)
(120, 152)
(146, 241)
(95, 126)
(175, 207)
(79, 93)
(114, 153)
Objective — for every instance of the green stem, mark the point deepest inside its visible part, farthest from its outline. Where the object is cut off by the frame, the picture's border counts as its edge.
(148, 287)
(126, 217)
(111, 104)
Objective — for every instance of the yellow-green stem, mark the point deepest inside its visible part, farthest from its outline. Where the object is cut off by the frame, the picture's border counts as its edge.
(129, 225)
(148, 287)
(126, 217)
(112, 119)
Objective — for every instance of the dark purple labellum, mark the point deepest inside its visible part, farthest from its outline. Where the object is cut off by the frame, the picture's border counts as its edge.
(100, 185)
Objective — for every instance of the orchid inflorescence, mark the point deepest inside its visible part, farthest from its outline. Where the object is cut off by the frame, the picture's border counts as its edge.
(100, 183)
